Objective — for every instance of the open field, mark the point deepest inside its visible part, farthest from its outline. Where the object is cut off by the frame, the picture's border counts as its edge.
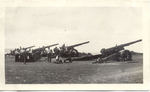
(42, 72)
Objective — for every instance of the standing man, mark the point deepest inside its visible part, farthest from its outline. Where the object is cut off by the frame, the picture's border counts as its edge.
(16, 55)
(19, 55)
(30, 55)
(49, 55)
(57, 59)
(23, 55)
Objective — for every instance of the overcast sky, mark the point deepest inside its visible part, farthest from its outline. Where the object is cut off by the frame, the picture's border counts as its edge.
(104, 27)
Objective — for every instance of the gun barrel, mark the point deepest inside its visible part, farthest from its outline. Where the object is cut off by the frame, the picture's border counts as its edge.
(29, 47)
(120, 47)
(41, 48)
(78, 44)
(51, 45)
(127, 44)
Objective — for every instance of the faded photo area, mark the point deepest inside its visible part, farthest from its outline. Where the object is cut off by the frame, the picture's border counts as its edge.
(73, 45)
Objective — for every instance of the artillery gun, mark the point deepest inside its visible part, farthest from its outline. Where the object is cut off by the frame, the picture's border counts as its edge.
(66, 52)
(43, 48)
(117, 52)
(39, 52)
(28, 47)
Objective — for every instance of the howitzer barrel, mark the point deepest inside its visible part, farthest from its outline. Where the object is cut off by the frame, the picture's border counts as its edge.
(118, 48)
(29, 47)
(51, 45)
(38, 49)
(78, 44)
(127, 44)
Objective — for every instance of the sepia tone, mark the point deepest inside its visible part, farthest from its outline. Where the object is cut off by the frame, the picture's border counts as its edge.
(75, 45)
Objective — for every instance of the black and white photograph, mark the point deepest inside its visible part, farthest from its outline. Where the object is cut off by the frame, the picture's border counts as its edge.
(73, 45)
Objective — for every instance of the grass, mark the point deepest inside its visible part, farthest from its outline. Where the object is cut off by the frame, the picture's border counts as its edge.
(83, 72)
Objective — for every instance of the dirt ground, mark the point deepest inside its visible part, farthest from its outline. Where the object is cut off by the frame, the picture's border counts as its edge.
(78, 72)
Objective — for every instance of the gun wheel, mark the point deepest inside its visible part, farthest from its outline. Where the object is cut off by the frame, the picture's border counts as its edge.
(126, 55)
(74, 53)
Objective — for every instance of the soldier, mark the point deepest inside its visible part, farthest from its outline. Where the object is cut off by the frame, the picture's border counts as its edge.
(57, 58)
(19, 56)
(23, 55)
(49, 55)
(63, 48)
(30, 55)
(69, 58)
(56, 51)
(16, 56)
(42, 52)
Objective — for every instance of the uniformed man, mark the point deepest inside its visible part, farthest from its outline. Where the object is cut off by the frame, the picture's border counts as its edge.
(19, 56)
(69, 58)
(23, 55)
(49, 55)
(63, 48)
(57, 58)
(16, 56)
(30, 55)
(56, 51)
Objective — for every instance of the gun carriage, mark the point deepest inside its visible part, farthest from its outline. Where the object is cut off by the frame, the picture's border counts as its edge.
(39, 52)
(117, 52)
(65, 53)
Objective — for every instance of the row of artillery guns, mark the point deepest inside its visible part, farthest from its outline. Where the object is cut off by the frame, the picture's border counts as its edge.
(36, 53)
(117, 53)
(64, 51)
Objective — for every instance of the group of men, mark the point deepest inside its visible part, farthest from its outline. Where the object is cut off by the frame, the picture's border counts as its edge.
(23, 55)
(29, 55)
(63, 54)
